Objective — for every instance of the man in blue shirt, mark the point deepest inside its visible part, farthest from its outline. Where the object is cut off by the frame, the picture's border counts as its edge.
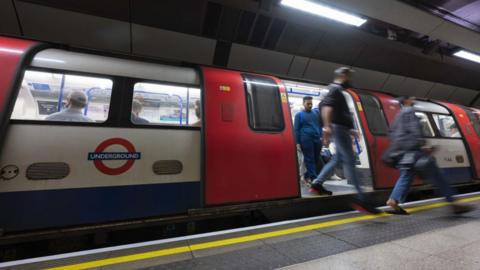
(307, 137)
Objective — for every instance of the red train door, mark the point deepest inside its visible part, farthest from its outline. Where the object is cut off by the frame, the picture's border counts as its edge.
(13, 57)
(469, 123)
(249, 147)
(377, 111)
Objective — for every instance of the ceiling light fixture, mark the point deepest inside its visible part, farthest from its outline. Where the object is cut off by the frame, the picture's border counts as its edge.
(468, 55)
(325, 11)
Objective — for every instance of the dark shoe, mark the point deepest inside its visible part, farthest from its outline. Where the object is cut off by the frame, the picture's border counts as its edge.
(365, 207)
(318, 188)
(459, 209)
(398, 211)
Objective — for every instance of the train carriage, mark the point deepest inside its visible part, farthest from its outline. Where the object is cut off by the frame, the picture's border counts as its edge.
(208, 137)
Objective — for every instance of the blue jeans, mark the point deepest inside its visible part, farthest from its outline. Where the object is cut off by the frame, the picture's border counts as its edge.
(435, 176)
(326, 170)
(311, 154)
(343, 143)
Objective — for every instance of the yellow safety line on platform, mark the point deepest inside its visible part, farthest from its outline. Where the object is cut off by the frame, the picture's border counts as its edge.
(242, 239)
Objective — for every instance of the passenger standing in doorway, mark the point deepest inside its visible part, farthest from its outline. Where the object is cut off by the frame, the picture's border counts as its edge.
(409, 153)
(307, 136)
(338, 124)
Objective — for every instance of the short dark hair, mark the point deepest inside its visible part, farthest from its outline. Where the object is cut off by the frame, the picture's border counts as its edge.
(343, 71)
(305, 98)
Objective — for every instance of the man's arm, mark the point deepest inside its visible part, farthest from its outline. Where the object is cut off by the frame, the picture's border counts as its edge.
(327, 123)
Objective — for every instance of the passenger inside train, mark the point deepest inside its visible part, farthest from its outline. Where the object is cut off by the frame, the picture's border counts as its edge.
(73, 112)
(198, 113)
(44, 95)
(137, 108)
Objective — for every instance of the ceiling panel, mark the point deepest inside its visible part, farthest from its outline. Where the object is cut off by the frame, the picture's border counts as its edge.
(441, 91)
(259, 60)
(392, 11)
(369, 79)
(77, 29)
(150, 41)
(461, 35)
(463, 96)
(414, 87)
(477, 103)
(292, 38)
(175, 15)
(8, 19)
(298, 66)
(393, 83)
(320, 71)
(112, 9)
(339, 47)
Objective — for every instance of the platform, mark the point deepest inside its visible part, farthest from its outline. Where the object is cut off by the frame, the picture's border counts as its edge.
(429, 238)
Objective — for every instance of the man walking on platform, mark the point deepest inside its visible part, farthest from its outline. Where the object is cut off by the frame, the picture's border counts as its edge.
(307, 136)
(410, 154)
(338, 123)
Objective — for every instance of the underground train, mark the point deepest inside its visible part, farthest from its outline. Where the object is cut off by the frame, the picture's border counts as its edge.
(210, 137)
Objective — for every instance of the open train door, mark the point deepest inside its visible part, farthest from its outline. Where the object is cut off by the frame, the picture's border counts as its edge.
(15, 54)
(249, 147)
(469, 125)
(378, 112)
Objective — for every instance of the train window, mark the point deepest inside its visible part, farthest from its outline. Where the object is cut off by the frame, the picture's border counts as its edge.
(427, 129)
(474, 119)
(446, 126)
(55, 96)
(263, 103)
(163, 104)
(374, 114)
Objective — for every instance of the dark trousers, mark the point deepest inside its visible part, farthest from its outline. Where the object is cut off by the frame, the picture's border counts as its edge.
(311, 156)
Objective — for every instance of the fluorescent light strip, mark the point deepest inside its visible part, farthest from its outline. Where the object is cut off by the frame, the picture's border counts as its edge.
(324, 11)
(468, 55)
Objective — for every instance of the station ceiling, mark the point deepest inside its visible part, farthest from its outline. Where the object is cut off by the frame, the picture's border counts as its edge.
(463, 12)
(404, 48)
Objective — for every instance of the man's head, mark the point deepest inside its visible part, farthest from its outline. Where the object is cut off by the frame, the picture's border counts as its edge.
(343, 76)
(198, 109)
(307, 103)
(136, 107)
(77, 100)
(407, 101)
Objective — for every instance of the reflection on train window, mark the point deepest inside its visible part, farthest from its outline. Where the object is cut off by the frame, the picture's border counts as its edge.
(263, 103)
(427, 130)
(374, 114)
(446, 126)
(62, 97)
(155, 104)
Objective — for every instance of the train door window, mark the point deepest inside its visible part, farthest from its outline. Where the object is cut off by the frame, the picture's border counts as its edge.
(427, 129)
(474, 119)
(374, 114)
(446, 126)
(56, 96)
(263, 103)
(163, 104)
